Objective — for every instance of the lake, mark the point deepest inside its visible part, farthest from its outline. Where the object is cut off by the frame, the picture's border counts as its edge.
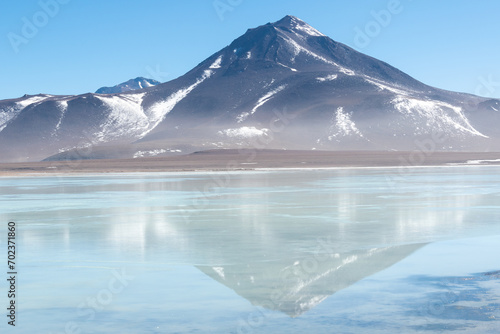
(368, 250)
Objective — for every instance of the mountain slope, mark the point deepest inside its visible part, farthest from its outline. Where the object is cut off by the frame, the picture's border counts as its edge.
(280, 85)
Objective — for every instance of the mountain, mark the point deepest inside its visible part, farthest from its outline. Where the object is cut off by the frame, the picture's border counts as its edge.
(282, 85)
(132, 84)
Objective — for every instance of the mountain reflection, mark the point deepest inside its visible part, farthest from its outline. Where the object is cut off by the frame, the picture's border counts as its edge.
(296, 287)
(283, 241)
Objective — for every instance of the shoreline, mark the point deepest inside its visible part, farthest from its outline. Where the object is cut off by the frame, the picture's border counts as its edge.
(216, 171)
(253, 160)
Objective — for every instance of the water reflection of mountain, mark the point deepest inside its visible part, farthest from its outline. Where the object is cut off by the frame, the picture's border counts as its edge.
(258, 228)
(294, 287)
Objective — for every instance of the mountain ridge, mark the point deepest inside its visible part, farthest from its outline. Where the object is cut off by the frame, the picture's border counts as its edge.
(129, 85)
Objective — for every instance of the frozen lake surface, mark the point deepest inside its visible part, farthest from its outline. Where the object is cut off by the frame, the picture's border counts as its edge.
(318, 251)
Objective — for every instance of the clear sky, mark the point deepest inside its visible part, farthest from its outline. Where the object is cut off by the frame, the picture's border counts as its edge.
(77, 46)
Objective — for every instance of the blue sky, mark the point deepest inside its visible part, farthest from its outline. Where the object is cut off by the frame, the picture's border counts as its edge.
(78, 46)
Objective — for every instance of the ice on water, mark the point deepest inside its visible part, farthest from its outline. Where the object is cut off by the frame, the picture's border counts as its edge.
(347, 250)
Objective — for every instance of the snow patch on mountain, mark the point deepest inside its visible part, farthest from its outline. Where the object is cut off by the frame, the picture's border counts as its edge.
(383, 86)
(342, 125)
(244, 132)
(32, 100)
(130, 85)
(9, 113)
(269, 95)
(157, 112)
(346, 71)
(296, 49)
(216, 63)
(134, 98)
(126, 117)
(437, 114)
(330, 77)
(291, 68)
(62, 106)
(307, 29)
(151, 153)
(297, 25)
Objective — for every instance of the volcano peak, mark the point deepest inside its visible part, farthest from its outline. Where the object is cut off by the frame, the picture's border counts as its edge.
(293, 23)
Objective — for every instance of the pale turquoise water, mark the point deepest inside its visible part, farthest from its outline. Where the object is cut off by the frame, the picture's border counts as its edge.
(326, 251)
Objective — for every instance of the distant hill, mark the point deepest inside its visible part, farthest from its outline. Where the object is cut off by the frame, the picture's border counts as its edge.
(132, 84)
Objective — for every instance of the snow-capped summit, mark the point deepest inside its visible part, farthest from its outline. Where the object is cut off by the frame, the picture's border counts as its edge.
(279, 85)
(290, 22)
(132, 84)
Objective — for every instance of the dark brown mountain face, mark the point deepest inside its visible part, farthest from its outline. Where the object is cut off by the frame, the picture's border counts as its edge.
(281, 85)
